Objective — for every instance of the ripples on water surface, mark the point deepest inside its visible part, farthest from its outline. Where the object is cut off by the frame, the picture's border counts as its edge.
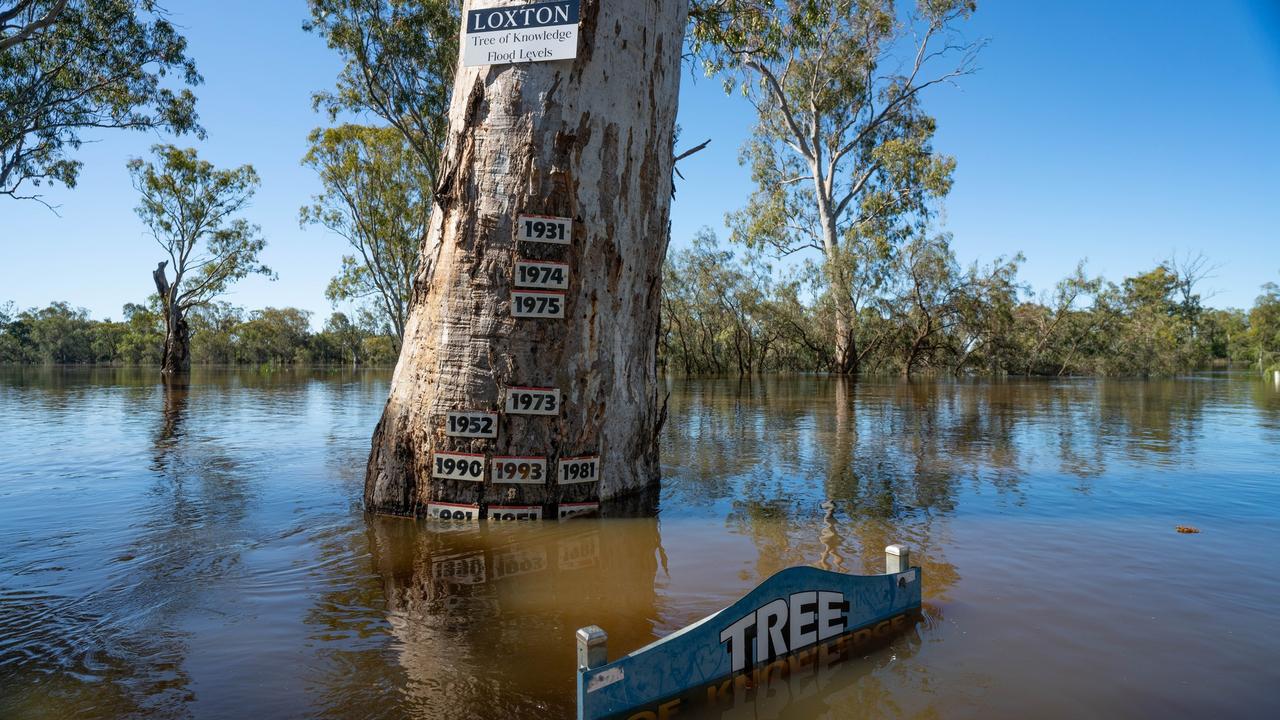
(202, 552)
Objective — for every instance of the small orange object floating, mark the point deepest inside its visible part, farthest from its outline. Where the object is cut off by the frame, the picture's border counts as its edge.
(1187, 529)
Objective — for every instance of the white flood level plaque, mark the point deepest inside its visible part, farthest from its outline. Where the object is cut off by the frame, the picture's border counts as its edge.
(515, 512)
(458, 466)
(532, 401)
(537, 304)
(453, 511)
(568, 510)
(519, 470)
(541, 275)
(536, 32)
(544, 229)
(579, 470)
(471, 424)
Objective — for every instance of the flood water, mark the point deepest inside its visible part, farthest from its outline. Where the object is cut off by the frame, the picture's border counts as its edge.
(203, 553)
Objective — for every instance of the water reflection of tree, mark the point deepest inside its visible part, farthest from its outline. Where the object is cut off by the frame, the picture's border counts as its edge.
(1155, 422)
(474, 609)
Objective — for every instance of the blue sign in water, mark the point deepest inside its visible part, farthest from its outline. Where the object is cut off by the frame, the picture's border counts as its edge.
(799, 610)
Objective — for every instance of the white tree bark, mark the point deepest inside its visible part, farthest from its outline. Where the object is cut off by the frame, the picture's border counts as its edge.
(589, 139)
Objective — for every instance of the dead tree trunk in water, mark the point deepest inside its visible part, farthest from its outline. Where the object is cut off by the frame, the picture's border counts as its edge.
(588, 139)
(176, 357)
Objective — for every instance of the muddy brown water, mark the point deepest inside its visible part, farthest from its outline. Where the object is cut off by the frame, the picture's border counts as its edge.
(203, 553)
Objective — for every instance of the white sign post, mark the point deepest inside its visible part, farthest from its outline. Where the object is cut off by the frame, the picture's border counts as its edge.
(536, 32)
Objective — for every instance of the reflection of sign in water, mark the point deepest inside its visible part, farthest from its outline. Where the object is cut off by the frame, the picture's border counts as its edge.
(460, 569)
(521, 33)
(798, 610)
(579, 551)
(518, 562)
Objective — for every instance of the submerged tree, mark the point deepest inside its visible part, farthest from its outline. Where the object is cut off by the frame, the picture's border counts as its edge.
(190, 207)
(590, 140)
(842, 153)
(377, 196)
(66, 67)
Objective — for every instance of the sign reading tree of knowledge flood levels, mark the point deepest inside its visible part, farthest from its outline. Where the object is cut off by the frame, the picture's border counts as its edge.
(521, 33)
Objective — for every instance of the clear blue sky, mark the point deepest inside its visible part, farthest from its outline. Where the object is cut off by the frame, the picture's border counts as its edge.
(1120, 132)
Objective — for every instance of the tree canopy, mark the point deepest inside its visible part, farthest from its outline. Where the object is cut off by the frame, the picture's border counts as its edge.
(377, 196)
(190, 207)
(399, 57)
(70, 67)
(841, 153)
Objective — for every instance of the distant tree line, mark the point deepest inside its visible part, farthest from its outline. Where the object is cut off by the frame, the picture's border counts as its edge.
(220, 334)
(844, 171)
(729, 313)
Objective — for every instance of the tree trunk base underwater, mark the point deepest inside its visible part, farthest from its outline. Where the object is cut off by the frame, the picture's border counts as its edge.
(518, 394)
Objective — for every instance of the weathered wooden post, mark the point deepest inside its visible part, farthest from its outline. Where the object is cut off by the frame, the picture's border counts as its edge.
(527, 381)
(897, 559)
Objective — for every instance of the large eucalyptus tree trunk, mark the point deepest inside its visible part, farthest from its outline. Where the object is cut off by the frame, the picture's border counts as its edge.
(588, 139)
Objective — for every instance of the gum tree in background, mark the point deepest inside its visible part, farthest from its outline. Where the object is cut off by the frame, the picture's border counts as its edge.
(70, 66)
(590, 139)
(190, 207)
(841, 153)
(377, 196)
(399, 59)
(1264, 326)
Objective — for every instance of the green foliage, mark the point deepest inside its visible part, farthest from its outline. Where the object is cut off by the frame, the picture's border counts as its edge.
(377, 196)
(841, 153)
(710, 309)
(945, 318)
(1264, 325)
(189, 207)
(214, 328)
(98, 64)
(399, 58)
(275, 336)
(143, 335)
(221, 334)
(724, 314)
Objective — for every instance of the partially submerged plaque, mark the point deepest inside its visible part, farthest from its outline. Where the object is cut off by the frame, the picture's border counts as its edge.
(796, 611)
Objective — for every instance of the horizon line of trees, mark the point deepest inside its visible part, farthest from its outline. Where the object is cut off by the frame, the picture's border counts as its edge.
(220, 334)
(730, 313)
(726, 313)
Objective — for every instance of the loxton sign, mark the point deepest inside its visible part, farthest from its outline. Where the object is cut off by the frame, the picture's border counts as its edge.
(521, 33)
(799, 615)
